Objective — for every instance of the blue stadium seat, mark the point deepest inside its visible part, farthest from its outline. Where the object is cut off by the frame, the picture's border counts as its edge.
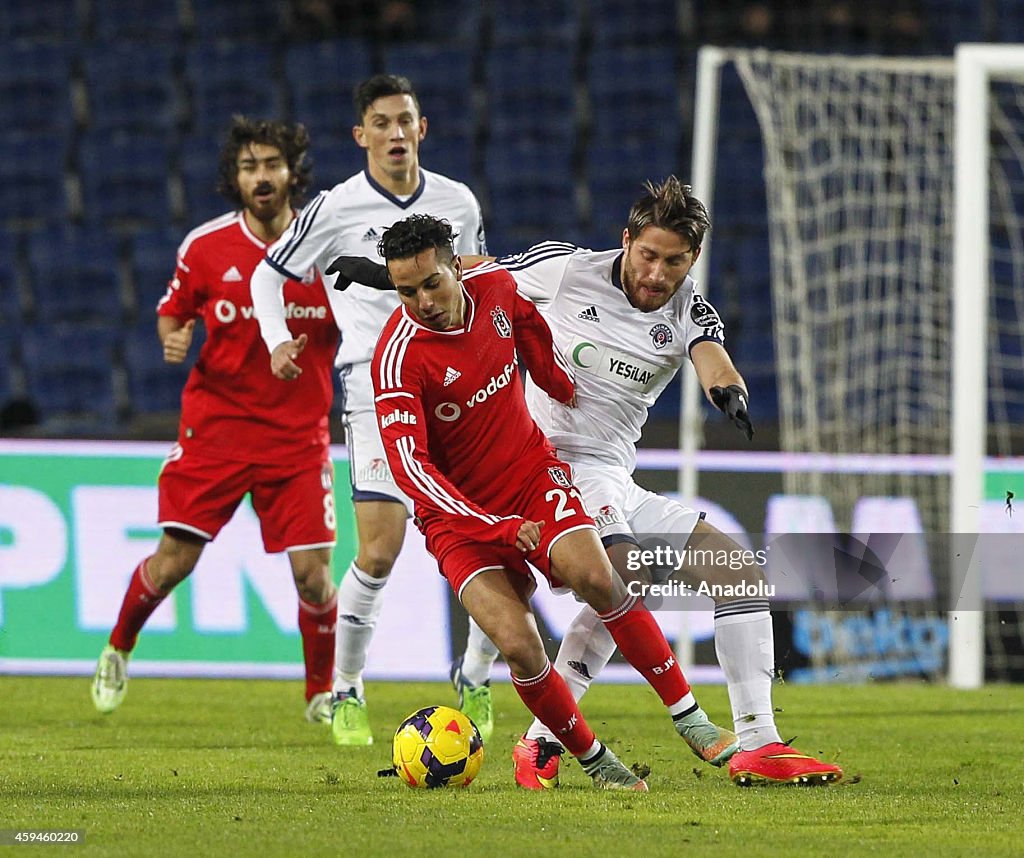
(35, 89)
(32, 169)
(531, 188)
(75, 276)
(154, 254)
(321, 78)
(131, 86)
(527, 23)
(449, 21)
(1009, 21)
(69, 374)
(125, 178)
(117, 20)
(335, 158)
(639, 23)
(443, 80)
(39, 20)
(199, 159)
(7, 361)
(254, 20)
(10, 299)
(635, 94)
(616, 173)
(153, 385)
(450, 154)
(531, 94)
(228, 78)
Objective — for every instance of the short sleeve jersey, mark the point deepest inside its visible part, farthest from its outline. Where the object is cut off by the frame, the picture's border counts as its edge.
(232, 406)
(623, 358)
(451, 410)
(348, 220)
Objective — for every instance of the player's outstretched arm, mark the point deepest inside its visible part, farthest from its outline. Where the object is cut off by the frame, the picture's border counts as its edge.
(723, 384)
(359, 269)
(536, 346)
(267, 288)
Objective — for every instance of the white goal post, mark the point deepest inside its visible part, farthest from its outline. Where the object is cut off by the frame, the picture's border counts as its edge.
(946, 101)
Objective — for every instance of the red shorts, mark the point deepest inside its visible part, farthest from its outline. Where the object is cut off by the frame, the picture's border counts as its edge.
(295, 504)
(546, 494)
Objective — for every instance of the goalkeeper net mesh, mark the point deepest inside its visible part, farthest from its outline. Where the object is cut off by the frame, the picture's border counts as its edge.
(859, 175)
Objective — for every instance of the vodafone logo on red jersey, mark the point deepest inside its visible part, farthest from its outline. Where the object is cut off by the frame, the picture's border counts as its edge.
(449, 412)
(226, 311)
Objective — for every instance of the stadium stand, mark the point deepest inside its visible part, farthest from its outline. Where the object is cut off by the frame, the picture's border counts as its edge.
(111, 113)
(35, 93)
(225, 78)
(75, 277)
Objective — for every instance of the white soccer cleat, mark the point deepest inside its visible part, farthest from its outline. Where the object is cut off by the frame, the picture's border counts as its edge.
(318, 710)
(110, 684)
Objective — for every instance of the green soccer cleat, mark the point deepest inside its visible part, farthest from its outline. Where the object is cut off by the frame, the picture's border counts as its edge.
(350, 722)
(110, 684)
(474, 701)
(608, 772)
(713, 744)
(318, 710)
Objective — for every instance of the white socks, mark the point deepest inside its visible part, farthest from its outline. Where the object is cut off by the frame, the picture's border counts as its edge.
(479, 656)
(746, 652)
(359, 602)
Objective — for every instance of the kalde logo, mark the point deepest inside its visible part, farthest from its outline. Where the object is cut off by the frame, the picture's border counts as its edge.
(406, 417)
(226, 311)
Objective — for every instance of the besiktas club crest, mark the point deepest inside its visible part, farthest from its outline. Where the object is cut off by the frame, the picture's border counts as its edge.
(501, 323)
(560, 478)
(661, 335)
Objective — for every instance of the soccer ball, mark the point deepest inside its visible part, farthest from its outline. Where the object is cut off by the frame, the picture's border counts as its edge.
(437, 746)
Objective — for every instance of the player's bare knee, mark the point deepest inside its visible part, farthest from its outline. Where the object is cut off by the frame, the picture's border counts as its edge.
(525, 658)
(316, 588)
(376, 560)
(175, 558)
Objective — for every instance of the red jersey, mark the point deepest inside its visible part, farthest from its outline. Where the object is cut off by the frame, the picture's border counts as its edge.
(451, 408)
(232, 406)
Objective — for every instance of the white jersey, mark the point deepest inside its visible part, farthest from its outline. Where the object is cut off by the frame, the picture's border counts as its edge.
(624, 358)
(348, 220)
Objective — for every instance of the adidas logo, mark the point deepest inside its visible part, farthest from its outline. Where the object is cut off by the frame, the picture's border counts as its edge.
(580, 667)
(371, 234)
(451, 375)
(589, 314)
(232, 275)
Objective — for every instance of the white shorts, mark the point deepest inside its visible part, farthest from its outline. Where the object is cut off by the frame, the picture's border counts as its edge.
(624, 512)
(369, 471)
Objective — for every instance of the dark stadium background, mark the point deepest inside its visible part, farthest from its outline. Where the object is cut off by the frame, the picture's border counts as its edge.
(553, 111)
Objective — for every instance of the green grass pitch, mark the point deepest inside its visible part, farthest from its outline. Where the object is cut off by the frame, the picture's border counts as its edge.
(211, 767)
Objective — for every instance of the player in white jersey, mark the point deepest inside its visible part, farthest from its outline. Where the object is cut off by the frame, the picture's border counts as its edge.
(349, 220)
(627, 319)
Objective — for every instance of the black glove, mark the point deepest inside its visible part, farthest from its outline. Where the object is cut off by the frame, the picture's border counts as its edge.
(732, 400)
(358, 269)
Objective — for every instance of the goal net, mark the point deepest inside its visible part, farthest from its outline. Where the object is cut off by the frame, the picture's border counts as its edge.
(875, 350)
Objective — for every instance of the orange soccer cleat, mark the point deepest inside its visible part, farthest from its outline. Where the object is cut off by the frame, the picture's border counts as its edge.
(779, 763)
(535, 762)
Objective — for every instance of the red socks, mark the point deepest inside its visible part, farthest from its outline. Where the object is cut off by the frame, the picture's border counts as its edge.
(139, 602)
(640, 640)
(548, 697)
(316, 625)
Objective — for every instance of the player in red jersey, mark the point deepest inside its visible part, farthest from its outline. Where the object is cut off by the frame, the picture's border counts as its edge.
(242, 430)
(489, 492)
